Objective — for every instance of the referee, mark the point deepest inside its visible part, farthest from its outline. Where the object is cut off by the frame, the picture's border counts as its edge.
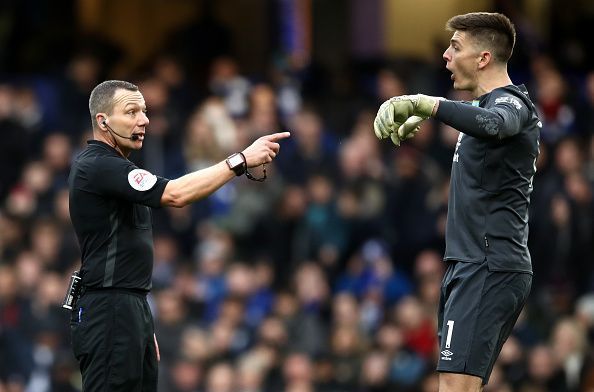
(489, 271)
(110, 208)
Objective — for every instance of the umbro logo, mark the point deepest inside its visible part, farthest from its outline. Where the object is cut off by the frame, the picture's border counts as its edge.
(446, 355)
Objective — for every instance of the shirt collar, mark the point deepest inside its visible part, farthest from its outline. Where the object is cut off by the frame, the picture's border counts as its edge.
(102, 144)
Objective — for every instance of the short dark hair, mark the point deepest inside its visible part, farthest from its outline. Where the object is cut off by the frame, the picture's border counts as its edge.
(101, 100)
(493, 30)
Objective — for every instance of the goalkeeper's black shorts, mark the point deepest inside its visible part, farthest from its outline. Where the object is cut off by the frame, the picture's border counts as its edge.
(477, 312)
(113, 340)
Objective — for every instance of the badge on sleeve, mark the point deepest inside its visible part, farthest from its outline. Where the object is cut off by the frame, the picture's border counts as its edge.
(141, 180)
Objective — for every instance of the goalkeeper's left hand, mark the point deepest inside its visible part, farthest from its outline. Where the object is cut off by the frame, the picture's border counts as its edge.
(400, 117)
(407, 130)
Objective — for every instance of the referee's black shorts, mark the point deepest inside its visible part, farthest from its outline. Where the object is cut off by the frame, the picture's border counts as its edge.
(477, 312)
(113, 340)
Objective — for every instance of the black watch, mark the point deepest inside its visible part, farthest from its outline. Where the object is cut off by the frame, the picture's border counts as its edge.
(236, 162)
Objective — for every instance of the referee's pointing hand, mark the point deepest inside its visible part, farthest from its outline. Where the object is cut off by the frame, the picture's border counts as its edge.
(264, 149)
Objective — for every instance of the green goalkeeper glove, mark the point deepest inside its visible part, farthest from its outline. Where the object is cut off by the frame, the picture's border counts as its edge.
(408, 130)
(393, 116)
(410, 127)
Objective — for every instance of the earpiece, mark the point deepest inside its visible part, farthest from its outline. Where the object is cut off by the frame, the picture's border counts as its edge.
(134, 136)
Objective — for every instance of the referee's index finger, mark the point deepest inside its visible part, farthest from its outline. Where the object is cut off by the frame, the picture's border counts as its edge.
(277, 136)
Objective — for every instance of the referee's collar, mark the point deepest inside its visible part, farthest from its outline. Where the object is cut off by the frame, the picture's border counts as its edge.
(102, 144)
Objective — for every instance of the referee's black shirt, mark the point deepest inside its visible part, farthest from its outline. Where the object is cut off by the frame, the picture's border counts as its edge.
(491, 180)
(109, 208)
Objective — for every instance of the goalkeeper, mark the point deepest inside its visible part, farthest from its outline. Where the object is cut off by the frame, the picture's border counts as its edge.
(489, 272)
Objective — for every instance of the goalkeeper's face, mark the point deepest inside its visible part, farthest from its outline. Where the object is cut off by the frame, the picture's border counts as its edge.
(462, 60)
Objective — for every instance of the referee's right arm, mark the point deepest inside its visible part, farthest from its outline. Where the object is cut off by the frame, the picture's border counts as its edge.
(196, 185)
(199, 184)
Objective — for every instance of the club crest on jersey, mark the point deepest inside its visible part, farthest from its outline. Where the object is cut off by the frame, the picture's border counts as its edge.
(141, 180)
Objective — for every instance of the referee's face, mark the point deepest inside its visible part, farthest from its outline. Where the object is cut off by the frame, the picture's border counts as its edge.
(462, 61)
(129, 118)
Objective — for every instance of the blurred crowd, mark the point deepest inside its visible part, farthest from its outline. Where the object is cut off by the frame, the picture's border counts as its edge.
(325, 277)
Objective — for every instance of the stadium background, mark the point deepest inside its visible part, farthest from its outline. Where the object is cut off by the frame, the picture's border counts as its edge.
(325, 277)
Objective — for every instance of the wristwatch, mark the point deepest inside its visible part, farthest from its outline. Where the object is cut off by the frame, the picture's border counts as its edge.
(236, 162)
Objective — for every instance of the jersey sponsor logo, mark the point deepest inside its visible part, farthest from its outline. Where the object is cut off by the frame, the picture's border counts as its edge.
(507, 99)
(141, 180)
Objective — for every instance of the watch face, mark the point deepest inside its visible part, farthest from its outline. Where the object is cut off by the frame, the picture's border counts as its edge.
(235, 160)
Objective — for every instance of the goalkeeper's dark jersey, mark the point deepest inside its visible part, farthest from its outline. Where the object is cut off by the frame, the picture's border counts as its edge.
(491, 181)
(109, 208)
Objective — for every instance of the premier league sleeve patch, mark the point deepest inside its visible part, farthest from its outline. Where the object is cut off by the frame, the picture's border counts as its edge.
(141, 180)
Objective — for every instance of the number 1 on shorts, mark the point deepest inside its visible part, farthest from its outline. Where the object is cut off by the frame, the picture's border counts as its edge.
(450, 324)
